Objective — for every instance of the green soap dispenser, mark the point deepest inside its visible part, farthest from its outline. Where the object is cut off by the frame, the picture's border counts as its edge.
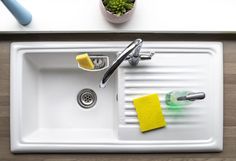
(179, 98)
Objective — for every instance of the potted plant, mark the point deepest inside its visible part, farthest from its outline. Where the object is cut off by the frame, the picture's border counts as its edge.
(117, 11)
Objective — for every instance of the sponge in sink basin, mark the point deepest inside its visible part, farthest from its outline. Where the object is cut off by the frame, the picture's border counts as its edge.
(149, 112)
(85, 61)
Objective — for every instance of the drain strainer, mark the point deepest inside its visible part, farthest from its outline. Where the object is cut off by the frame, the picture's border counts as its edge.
(87, 98)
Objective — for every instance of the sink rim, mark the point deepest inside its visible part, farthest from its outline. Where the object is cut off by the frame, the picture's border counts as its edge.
(121, 146)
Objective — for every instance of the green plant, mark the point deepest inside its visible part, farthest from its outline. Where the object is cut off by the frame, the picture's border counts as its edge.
(118, 7)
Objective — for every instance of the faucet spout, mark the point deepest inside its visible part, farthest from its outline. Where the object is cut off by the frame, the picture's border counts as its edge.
(132, 50)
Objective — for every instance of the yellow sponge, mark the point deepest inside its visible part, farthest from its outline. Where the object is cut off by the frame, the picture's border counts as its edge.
(85, 61)
(149, 112)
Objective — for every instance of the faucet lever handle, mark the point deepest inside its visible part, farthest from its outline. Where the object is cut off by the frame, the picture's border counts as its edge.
(143, 56)
(146, 56)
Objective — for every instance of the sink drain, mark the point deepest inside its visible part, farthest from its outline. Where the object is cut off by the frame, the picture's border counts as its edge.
(87, 98)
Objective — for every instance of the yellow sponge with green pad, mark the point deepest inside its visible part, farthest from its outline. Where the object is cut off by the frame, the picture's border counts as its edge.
(149, 112)
(85, 61)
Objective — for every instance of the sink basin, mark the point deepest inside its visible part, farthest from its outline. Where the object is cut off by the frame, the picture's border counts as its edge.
(46, 87)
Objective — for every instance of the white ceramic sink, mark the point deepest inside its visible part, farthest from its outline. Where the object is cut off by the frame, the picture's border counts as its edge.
(46, 116)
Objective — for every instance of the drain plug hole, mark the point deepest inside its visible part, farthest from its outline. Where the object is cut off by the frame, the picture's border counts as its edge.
(87, 98)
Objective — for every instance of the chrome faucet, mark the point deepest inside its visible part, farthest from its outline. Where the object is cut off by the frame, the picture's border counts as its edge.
(130, 53)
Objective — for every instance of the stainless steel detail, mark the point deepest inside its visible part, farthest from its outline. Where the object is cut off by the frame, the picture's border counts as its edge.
(143, 56)
(192, 96)
(87, 98)
(99, 63)
(132, 51)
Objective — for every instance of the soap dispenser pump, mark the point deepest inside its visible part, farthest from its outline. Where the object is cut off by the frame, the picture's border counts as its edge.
(177, 98)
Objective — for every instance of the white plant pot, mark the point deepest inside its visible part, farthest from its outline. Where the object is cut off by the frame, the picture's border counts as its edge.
(114, 18)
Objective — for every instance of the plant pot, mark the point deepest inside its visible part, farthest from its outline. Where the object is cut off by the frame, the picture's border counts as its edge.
(113, 18)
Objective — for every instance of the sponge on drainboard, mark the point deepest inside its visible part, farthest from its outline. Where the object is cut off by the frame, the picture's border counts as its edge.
(149, 112)
(85, 61)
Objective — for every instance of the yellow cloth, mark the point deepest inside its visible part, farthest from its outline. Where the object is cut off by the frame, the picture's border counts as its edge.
(149, 112)
(85, 61)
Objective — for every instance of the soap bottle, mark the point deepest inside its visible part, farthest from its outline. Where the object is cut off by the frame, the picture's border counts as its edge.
(179, 98)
